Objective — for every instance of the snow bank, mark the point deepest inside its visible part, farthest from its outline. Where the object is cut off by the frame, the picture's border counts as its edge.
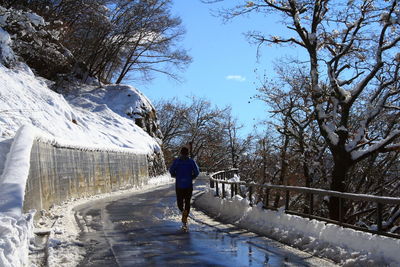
(15, 233)
(15, 228)
(15, 174)
(345, 246)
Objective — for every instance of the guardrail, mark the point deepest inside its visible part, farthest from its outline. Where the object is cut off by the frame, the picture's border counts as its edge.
(222, 176)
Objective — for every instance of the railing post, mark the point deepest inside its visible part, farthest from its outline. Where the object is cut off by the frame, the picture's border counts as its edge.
(250, 194)
(379, 209)
(223, 189)
(232, 191)
(266, 198)
(311, 210)
(211, 183)
(340, 210)
(217, 188)
(287, 200)
(236, 188)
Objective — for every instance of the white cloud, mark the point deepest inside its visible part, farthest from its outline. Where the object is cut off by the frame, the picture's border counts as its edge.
(238, 78)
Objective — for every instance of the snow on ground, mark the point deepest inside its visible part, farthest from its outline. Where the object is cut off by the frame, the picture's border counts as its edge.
(345, 246)
(63, 248)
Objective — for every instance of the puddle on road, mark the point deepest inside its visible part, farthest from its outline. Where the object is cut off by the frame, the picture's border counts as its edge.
(166, 245)
(238, 249)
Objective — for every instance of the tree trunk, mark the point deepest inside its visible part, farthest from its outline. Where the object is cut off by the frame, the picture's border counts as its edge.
(342, 163)
(284, 165)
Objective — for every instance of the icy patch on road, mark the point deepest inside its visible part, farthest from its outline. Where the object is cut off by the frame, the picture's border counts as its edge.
(171, 214)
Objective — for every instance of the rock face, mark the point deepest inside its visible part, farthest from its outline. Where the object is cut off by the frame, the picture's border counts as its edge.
(146, 118)
(156, 164)
(35, 44)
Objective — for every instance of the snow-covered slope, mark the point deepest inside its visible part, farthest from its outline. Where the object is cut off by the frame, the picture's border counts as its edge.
(95, 119)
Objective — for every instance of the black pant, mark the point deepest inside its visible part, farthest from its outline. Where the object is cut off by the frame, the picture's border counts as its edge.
(183, 196)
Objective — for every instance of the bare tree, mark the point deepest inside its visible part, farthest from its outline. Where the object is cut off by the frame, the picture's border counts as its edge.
(291, 105)
(232, 127)
(357, 42)
(152, 46)
(211, 131)
(110, 39)
(202, 118)
(171, 113)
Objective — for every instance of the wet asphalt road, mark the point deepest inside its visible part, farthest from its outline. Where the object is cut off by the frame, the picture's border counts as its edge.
(143, 229)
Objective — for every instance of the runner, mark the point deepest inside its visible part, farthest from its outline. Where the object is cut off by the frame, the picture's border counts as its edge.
(184, 169)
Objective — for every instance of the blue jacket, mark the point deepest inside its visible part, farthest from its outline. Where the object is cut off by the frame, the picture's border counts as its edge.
(184, 170)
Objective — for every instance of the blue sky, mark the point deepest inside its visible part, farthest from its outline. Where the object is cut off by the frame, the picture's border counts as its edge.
(224, 63)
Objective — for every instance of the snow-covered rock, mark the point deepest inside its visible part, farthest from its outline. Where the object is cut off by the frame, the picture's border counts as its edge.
(124, 100)
(6, 54)
(37, 45)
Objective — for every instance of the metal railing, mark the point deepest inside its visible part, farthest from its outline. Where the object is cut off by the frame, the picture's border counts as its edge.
(222, 177)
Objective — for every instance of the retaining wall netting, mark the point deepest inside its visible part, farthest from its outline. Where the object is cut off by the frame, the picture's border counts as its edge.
(57, 174)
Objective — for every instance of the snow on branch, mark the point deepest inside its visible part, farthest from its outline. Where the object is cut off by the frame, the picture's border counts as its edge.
(379, 146)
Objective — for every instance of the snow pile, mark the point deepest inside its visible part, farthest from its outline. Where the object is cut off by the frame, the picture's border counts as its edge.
(6, 53)
(161, 180)
(15, 234)
(345, 246)
(4, 148)
(15, 174)
(15, 228)
(235, 178)
(64, 249)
